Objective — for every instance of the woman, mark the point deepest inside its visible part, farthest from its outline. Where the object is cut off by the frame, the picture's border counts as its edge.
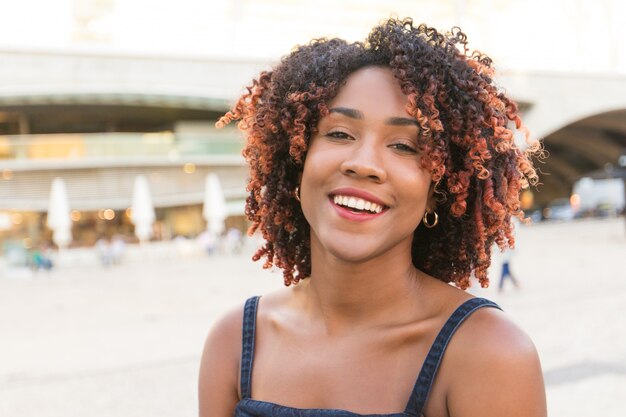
(380, 172)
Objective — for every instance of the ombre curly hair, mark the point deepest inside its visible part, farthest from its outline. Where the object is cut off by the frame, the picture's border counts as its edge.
(466, 142)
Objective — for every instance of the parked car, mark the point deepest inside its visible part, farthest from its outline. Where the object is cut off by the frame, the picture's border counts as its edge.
(559, 209)
(598, 197)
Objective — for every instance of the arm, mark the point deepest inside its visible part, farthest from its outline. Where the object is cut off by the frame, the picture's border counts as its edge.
(496, 371)
(219, 367)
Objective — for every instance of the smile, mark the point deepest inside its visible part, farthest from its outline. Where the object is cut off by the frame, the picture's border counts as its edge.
(357, 204)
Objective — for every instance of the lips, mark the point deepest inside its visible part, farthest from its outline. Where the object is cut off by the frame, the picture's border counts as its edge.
(358, 205)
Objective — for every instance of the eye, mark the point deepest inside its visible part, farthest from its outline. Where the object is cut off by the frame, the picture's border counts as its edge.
(404, 148)
(337, 134)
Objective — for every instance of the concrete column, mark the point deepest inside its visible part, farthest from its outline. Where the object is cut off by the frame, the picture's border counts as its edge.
(24, 125)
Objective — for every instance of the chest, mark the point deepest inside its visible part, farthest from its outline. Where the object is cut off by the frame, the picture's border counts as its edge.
(371, 372)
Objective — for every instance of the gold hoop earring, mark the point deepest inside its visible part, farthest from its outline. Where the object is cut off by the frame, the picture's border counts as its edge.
(435, 220)
(297, 193)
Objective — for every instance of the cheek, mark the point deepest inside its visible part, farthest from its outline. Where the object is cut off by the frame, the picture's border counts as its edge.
(414, 178)
(319, 163)
(418, 193)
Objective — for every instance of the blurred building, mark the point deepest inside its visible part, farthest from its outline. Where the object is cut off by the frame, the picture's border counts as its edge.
(98, 121)
(100, 91)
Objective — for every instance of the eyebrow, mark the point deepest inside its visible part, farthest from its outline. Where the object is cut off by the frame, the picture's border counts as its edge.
(351, 113)
(402, 121)
(392, 121)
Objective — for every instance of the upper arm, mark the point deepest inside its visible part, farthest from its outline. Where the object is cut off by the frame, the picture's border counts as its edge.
(219, 367)
(497, 372)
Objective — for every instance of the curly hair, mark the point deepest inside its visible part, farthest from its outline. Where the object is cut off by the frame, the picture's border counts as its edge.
(467, 126)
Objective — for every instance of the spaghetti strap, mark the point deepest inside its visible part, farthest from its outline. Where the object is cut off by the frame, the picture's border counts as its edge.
(427, 375)
(247, 345)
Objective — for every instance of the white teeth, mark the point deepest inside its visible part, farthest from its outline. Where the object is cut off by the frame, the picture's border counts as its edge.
(357, 203)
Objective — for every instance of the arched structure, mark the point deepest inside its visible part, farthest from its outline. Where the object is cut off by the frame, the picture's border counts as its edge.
(592, 144)
(581, 119)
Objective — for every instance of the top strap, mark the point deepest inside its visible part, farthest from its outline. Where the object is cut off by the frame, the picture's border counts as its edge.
(431, 364)
(247, 345)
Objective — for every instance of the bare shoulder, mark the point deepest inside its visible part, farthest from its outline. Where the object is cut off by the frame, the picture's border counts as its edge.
(490, 330)
(219, 367)
(218, 383)
(493, 369)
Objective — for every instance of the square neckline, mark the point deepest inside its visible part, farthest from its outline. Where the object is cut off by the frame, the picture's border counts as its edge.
(306, 411)
(419, 393)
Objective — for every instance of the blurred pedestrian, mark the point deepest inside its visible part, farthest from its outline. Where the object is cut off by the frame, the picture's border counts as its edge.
(505, 273)
(41, 258)
(103, 248)
(233, 241)
(207, 242)
(117, 248)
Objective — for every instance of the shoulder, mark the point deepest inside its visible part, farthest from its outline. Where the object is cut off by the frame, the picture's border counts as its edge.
(488, 335)
(492, 368)
(218, 384)
(225, 333)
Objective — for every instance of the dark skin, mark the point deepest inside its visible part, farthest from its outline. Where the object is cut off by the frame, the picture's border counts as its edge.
(353, 335)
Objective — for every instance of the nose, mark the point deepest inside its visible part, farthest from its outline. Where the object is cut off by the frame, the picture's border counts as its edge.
(363, 160)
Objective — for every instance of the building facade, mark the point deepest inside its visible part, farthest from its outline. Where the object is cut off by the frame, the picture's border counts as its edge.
(98, 122)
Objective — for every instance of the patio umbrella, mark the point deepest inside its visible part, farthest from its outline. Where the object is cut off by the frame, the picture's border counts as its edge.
(59, 220)
(142, 209)
(214, 210)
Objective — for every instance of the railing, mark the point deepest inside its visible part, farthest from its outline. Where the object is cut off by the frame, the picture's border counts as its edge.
(112, 145)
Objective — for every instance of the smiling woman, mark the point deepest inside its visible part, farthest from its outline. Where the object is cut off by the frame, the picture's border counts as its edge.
(379, 172)
(365, 151)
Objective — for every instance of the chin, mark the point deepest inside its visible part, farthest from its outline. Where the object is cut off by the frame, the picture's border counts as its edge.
(352, 257)
(357, 248)
(354, 251)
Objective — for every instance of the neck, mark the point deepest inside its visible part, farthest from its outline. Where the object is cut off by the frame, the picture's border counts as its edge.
(367, 293)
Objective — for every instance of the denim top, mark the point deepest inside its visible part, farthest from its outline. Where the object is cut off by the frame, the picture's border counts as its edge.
(248, 407)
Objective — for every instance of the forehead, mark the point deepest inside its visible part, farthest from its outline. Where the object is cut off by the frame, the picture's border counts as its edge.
(373, 91)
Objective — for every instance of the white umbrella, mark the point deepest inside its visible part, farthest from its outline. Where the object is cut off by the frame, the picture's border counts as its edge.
(214, 210)
(142, 209)
(59, 220)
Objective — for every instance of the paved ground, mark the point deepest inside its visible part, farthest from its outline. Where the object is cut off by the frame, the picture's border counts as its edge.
(125, 341)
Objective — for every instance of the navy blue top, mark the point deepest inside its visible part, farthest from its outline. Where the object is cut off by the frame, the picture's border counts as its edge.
(248, 407)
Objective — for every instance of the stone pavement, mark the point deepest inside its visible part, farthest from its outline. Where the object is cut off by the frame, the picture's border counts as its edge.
(126, 340)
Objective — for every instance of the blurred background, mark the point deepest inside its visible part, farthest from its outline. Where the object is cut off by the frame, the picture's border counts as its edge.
(122, 227)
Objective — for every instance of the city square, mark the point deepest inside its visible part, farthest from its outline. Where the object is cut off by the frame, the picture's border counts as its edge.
(85, 340)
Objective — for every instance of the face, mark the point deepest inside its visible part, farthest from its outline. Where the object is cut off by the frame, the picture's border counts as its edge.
(363, 191)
